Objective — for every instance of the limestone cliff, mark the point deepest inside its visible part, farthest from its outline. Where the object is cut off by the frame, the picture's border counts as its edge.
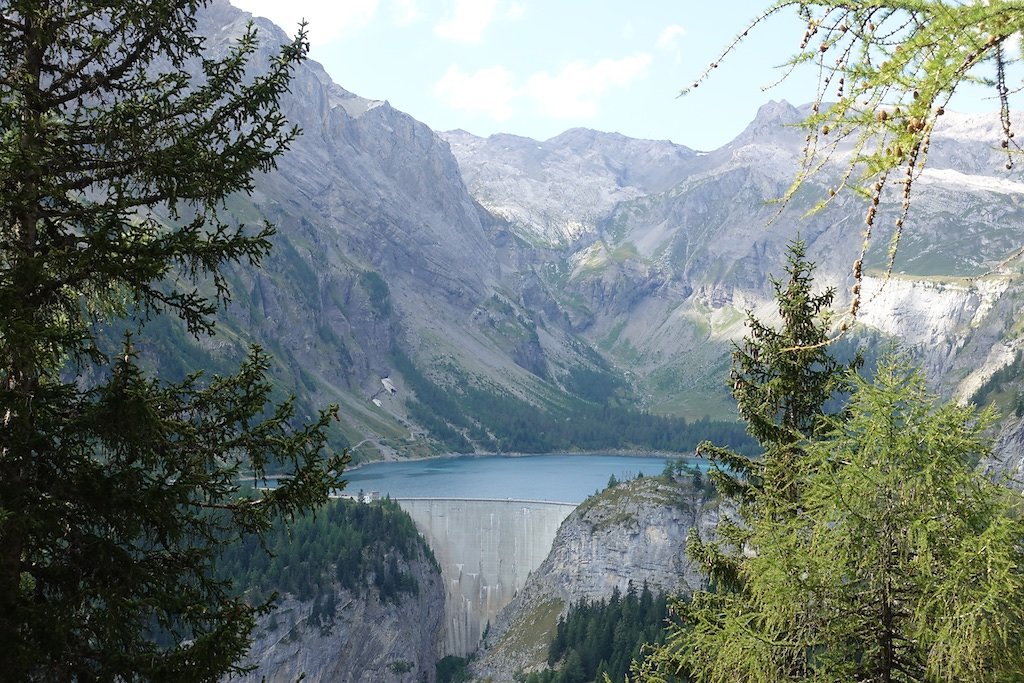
(366, 640)
(516, 263)
(634, 532)
(662, 277)
(1007, 460)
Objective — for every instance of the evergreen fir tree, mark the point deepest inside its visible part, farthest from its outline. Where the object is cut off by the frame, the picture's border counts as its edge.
(879, 555)
(905, 564)
(121, 141)
(782, 380)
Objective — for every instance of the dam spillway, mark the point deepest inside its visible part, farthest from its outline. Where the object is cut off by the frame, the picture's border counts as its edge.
(486, 549)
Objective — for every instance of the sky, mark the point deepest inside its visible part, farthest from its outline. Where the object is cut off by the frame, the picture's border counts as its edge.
(536, 68)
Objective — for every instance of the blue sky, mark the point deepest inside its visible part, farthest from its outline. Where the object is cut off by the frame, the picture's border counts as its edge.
(538, 67)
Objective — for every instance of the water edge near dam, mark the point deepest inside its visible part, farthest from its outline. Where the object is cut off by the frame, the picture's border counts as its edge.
(559, 477)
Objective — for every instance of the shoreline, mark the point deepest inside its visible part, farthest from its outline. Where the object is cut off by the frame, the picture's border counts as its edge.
(453, 456)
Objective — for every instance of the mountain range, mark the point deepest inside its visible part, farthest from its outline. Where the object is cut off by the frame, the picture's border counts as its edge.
(435, 283)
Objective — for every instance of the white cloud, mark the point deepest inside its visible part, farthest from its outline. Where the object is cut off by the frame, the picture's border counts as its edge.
(488, 91)
(406, 11)
(515, 11)
(574, 91)
(668, 40)
(468, 21)
(669, 37)
(327, 18)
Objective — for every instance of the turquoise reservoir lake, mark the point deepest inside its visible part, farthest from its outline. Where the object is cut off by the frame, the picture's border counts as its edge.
(562, 478)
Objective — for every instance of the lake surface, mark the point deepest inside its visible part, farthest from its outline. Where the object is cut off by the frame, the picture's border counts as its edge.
(562, 478)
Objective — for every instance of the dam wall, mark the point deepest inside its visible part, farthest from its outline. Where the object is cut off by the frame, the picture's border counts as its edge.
(486, 549)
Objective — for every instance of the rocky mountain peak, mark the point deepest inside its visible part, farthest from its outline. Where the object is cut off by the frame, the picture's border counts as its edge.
(555, 191)
(775, 123)
(462, 252)
(777, 111)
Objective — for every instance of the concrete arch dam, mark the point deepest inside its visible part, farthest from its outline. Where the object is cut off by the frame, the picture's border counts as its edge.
(486, 549)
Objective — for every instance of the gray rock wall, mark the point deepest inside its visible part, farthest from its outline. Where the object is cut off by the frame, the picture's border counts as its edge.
(368, 640)
(635, 532)
(1006, 463)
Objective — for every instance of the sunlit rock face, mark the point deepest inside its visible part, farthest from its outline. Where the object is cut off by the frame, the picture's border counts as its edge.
(512, 263)
(632, 534)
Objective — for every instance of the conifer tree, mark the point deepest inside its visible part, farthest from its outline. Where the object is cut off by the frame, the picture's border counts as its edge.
(120, 140)
(905, 564)
(782, 380)
(880, 555)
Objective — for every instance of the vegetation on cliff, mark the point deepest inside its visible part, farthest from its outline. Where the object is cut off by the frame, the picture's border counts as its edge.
(600, 637)
(346, 544)
(467, 417)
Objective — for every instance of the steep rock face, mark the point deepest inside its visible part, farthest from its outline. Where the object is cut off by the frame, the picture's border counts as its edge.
(376, 186)
(524, 181)
(663, 280)
(1007, 460)
(380, 248)
(366, 641)
(635, 532)
(935, 319)
(644, 250)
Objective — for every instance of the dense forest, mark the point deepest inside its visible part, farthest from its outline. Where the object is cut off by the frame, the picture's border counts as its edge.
(601, 637)
(349, 544)
(468, 418)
